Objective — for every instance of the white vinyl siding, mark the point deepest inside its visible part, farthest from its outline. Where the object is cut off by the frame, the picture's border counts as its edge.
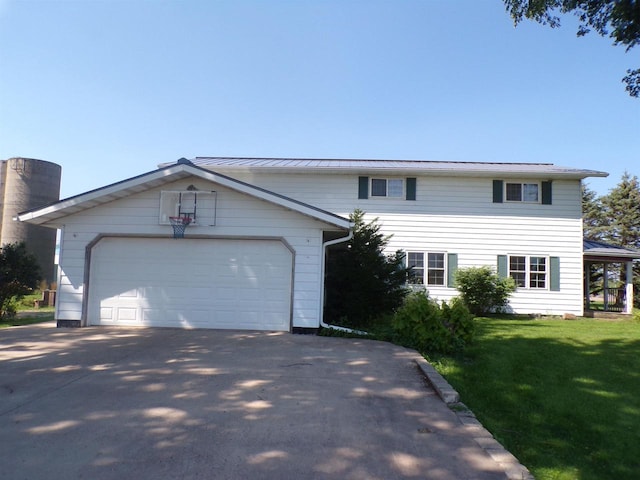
(237, 216)
(457, 214)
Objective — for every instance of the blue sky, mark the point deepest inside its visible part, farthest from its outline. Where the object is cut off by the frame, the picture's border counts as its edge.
(110, 89)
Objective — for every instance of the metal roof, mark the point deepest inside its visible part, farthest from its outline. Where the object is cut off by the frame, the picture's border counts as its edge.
(594, 250)
(486, 169)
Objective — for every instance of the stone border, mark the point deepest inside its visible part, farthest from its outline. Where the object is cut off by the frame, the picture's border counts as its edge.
(511, 465)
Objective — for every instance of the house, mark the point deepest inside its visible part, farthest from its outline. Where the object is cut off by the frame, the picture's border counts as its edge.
(252, 256)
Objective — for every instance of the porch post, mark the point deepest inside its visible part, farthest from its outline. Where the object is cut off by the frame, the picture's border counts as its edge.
(587, 284)
(629, 289)
(605, 285)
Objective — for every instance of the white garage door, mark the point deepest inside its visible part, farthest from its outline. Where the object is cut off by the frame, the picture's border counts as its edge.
(191, 283)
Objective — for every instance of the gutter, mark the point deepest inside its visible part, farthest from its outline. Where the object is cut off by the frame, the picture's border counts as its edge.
(325, 245)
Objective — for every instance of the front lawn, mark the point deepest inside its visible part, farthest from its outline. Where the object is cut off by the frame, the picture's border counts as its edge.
(562, 396)
(28, 318)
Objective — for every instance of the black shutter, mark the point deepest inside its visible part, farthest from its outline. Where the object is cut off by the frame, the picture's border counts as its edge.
(411, 188)
(497, 191)
(546, 193)
(363, 187)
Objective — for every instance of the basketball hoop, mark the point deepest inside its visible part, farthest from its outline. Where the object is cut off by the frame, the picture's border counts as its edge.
(179, 225)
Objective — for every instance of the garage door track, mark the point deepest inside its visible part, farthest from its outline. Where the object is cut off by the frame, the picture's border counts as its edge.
(106, 403)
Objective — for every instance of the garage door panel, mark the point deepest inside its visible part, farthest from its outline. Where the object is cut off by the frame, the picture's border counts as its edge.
(208, 283)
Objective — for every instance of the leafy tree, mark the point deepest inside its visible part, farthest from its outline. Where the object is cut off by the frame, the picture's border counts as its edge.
(617, 19)
(482, 290)
(19, 274)
(362, 282)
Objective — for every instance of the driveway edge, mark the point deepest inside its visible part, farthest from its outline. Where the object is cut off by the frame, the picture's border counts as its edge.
(513, 469)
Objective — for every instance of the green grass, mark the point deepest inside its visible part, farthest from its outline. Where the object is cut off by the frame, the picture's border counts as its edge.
(28, 319)
(562, 396)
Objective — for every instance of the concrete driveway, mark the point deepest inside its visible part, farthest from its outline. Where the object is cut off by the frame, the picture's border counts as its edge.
(104, 403)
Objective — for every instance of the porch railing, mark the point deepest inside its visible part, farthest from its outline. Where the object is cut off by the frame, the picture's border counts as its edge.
(614, 299)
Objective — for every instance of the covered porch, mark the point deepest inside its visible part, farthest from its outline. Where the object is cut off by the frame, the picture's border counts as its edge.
(608, 278)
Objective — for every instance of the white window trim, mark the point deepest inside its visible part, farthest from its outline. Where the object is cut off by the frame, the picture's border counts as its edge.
(402, 195)
(528, 272)
(522, 183)
(425, 268)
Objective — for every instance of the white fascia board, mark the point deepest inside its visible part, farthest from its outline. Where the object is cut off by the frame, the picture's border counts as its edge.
(95, 197)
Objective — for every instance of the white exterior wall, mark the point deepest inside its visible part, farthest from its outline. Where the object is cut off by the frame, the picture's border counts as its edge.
(457, 215)
(238, 215)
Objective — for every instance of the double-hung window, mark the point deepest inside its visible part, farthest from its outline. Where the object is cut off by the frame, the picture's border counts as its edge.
(528, 271)
(522, 192)
(431, 273)
(387, 187)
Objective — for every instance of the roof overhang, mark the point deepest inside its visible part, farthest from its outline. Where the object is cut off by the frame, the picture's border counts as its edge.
(594, 251)
(395, 167)
(53, 215)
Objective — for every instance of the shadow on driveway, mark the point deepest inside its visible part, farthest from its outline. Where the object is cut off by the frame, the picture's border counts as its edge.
(106, 403)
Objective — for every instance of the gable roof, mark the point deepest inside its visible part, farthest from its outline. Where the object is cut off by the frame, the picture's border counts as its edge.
(403, 167)
(594, 250)
(49, 215)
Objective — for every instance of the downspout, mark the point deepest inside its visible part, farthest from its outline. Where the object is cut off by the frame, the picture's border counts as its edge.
(325, 245)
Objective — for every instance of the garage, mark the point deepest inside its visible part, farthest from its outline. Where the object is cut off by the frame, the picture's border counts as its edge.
(191, 283)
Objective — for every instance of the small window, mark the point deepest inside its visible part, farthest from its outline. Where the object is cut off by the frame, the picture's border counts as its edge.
(528, 272)
(518, 270)
(416, 260)
(383, 187)
(522, 192)
(434, 273)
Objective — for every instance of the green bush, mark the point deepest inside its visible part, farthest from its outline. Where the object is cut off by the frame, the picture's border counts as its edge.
(483, 291)
(422, 324)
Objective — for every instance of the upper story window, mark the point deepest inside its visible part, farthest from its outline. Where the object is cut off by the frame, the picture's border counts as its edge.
(528, 271)
(387, 187)
(522, 192)
(397, 188)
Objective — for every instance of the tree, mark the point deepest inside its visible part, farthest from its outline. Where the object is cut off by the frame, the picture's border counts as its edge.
(617, 19)
(19, 275)
(621, 208)
(615, 219)
(362, 282)
(593, 219)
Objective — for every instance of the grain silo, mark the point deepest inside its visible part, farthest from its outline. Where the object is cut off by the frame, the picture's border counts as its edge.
(27, 183)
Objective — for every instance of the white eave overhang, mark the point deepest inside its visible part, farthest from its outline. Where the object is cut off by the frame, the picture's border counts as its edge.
(396, 167)
(53, 214)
